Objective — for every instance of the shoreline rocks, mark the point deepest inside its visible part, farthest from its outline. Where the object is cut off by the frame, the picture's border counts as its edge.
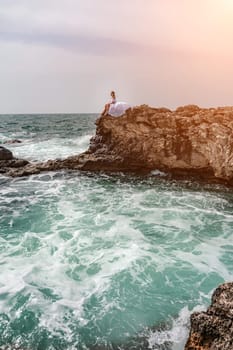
(184, 142)
(190, 142)
(213, 329)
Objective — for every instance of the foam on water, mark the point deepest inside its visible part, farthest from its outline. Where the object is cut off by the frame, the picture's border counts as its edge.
(177, 334)
(50, 149)
(93, 264)
(47, 137)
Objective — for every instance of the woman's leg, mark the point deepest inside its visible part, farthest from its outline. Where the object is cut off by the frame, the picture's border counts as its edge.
(106, 109)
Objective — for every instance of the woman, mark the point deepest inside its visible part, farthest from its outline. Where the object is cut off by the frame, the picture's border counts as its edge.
(107, 106)
(114, 108)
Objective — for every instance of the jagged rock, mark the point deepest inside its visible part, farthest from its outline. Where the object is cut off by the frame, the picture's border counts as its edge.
(5, 154)
(188, 141)
(213, 329)
(6, 166)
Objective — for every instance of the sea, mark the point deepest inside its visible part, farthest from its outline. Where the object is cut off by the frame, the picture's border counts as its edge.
(103, 261)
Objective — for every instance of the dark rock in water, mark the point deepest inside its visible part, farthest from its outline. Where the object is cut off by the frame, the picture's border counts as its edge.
(6, 166)
(8, 162)
(9, 142)
(213, 329)
(5, 154)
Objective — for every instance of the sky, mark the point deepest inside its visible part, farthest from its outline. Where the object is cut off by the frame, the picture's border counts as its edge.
(65, 56)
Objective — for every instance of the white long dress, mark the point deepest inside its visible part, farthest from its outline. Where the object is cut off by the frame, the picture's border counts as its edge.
(118, 108)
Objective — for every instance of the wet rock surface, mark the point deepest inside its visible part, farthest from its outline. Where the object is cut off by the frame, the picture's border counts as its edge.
(189, 141)
(213, 329)
(8, 163)
(5, 154)
(8, 166)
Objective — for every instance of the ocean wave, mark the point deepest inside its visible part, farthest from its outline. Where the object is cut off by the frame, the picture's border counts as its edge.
(42, 150)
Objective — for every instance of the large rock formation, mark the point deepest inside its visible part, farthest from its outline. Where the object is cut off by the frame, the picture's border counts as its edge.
(213, 329)
(184, 142)
(188, 140)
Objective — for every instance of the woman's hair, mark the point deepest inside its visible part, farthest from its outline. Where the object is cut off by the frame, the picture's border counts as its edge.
(113, 93)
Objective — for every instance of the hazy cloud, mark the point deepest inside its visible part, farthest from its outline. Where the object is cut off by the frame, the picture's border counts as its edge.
(64, 55)
(80, 43)
(24, 26)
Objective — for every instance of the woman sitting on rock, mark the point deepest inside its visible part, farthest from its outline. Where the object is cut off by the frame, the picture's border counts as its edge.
(107, 106)
(114, 108)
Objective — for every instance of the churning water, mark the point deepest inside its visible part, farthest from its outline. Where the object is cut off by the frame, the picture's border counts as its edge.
(96, 261)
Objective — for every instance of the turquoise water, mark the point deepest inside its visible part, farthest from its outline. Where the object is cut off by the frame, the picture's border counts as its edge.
(103, 261)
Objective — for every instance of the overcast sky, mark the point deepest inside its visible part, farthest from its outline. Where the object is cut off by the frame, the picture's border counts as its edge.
(67, 55)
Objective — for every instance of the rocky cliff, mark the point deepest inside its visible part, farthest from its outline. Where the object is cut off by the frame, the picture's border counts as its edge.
(188, 141)
(213, 329)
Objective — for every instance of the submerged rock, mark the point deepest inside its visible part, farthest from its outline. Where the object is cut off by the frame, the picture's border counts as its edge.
(9, 142)
(188, 141)
(213, 329)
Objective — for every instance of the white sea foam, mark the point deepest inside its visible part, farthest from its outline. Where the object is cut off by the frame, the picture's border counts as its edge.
(92, 258)
(43, 150)
(157, 172)
(3, 138)
(178, 333)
